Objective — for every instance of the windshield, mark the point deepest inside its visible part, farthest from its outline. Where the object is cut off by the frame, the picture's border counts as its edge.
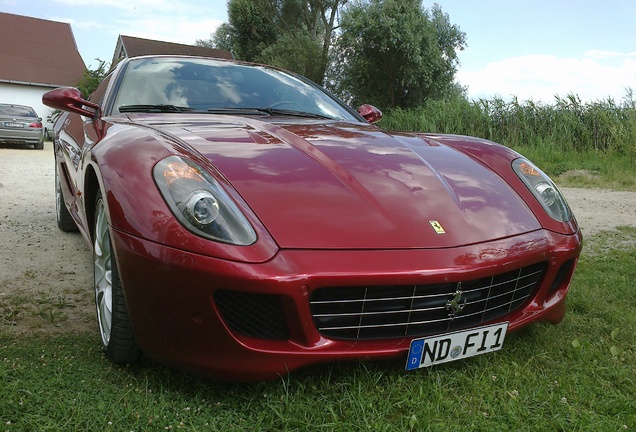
(208, 85)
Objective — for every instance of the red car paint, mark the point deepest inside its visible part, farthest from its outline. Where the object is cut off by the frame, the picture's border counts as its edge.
(334, 203)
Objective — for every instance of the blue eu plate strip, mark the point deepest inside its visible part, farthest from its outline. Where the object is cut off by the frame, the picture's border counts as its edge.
(415, 354)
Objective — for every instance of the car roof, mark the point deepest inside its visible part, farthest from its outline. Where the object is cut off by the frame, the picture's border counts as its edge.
(15, 105)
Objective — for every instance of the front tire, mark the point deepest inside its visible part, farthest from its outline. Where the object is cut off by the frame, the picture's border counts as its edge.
(115, 330)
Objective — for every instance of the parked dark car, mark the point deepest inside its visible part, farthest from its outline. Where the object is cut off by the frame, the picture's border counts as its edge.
(20, 124)
(245, 223)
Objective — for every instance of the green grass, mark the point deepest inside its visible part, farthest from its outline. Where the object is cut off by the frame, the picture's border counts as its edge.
(587, 169)
(567, 124)
(38, 310)
(576, 376)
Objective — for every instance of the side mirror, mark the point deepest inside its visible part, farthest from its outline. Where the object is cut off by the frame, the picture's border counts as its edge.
(370, 113)
(70, 99)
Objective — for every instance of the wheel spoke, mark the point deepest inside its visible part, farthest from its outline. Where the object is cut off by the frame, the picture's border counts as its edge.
(103, 272)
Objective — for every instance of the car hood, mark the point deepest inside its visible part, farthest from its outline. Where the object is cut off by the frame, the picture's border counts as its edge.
(332, 185)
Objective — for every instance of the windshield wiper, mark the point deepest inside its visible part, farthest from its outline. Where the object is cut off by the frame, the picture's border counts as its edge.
(293, 113)
(160, 108)
(268, 111)
(237, 111)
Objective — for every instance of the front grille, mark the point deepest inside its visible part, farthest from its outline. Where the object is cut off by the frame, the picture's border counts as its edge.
(378, 312)
(256, 315)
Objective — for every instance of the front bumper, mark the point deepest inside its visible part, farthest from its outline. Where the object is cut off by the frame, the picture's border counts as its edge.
(172, 297)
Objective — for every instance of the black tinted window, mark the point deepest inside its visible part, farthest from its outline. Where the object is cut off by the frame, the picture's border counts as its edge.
(17, 111)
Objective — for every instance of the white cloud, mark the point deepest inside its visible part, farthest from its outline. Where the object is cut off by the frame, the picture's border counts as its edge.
(596, 75)
(181, 21)
(597, 54)
(137, 6)
(76, 24)
(179, 29)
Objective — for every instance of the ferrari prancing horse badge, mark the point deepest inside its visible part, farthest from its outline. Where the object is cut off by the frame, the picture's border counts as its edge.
(437, 227)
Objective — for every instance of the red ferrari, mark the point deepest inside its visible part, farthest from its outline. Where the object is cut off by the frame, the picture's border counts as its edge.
(245, 223)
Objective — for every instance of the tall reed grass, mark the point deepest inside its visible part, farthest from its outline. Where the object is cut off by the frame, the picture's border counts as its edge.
(566, 125)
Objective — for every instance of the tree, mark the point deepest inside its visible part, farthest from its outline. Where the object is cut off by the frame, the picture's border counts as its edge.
(91, 78)
(293, 34)
(395, 53)
(298, 52)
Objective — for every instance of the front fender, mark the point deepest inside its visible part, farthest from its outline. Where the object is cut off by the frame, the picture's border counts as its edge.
(123, 162)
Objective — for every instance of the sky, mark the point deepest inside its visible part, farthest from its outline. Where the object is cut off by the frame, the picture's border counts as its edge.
(528, 49)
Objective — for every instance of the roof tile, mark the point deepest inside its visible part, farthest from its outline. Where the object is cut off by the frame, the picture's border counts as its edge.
(38, 51)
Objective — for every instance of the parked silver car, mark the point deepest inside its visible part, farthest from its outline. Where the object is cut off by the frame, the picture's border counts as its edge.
(20, 124)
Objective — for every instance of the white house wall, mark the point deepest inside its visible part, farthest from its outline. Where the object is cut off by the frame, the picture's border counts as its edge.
(30, 95)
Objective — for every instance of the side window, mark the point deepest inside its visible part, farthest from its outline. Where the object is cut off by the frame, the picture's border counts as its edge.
(98, 94)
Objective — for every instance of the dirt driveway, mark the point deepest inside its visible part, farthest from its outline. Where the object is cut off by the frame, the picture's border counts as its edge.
(46, 274)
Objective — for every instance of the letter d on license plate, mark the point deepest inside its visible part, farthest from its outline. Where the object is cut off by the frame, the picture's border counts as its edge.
(448, 347)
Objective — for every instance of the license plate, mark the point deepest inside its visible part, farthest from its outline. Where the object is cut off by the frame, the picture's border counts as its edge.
(448, 347)
(15, 125)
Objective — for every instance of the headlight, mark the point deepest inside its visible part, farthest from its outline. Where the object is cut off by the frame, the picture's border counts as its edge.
(200, 203)
(543, 189)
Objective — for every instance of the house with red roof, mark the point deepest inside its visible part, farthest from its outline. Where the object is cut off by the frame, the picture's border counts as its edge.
(36, 56)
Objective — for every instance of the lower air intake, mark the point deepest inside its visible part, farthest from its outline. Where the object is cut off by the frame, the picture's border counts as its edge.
(255, 315)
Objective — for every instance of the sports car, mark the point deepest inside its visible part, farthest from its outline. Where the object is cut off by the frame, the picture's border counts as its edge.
(244, 223)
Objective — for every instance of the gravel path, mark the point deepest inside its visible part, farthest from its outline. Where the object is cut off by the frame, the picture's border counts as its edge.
(50, 272)
(45, 274)
(601, 209)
